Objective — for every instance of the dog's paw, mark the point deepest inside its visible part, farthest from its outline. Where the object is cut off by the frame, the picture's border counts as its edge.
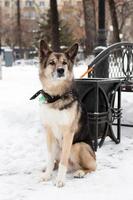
(59, 183)
(79, 174)
(46, 177)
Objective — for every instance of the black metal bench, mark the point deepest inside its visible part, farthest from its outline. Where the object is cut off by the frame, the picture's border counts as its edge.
(116, 61)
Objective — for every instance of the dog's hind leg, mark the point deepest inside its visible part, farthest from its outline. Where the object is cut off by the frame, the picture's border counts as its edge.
(81, 173)
(83, 159)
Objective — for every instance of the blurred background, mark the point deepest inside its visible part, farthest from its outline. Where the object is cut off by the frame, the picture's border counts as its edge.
(92, 23)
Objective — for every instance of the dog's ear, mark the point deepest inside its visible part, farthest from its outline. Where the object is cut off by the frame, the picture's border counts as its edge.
(44, 49)
(72, 52)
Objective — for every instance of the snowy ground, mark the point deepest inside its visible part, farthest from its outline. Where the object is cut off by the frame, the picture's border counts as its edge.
(23, 150)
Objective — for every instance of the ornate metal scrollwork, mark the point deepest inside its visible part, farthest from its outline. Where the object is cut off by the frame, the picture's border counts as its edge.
(127, 61)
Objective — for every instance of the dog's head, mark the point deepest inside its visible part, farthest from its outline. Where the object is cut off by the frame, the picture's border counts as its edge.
(56, 69)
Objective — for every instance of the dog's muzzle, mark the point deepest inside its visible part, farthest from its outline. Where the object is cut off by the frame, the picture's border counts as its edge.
(60, 72)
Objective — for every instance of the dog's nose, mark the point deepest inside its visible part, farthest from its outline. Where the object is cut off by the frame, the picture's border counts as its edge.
(60, 71)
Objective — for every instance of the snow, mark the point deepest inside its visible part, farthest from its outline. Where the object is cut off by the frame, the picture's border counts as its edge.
(23, 152)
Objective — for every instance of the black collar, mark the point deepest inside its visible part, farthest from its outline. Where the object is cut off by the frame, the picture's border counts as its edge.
(49, 98)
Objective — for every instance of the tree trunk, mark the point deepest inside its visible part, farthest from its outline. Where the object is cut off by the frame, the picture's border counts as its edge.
(90, 25)
(116, 37)
(19, 39)
(55, 38)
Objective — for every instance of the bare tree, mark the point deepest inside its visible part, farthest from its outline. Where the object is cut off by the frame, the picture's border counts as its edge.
(112, 7)
(0, 41)
(90, 25)
(124, 11)
(0, 27)
(55, 38)
(19, 39)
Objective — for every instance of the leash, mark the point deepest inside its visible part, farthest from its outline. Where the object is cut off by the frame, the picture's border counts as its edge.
(87, 71)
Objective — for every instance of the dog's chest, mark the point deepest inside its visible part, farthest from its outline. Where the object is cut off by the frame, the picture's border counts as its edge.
(56, 119)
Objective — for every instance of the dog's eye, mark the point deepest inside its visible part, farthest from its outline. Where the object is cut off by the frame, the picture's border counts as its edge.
(64, 63)
(52, 62)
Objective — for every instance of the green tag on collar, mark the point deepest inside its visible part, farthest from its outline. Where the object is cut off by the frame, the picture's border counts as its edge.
(42, 99)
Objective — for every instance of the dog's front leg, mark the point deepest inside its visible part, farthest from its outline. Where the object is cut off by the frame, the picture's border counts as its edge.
(66, 148)
(52, 150)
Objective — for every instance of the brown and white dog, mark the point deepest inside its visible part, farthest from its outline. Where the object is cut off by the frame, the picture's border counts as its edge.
(65, 121)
